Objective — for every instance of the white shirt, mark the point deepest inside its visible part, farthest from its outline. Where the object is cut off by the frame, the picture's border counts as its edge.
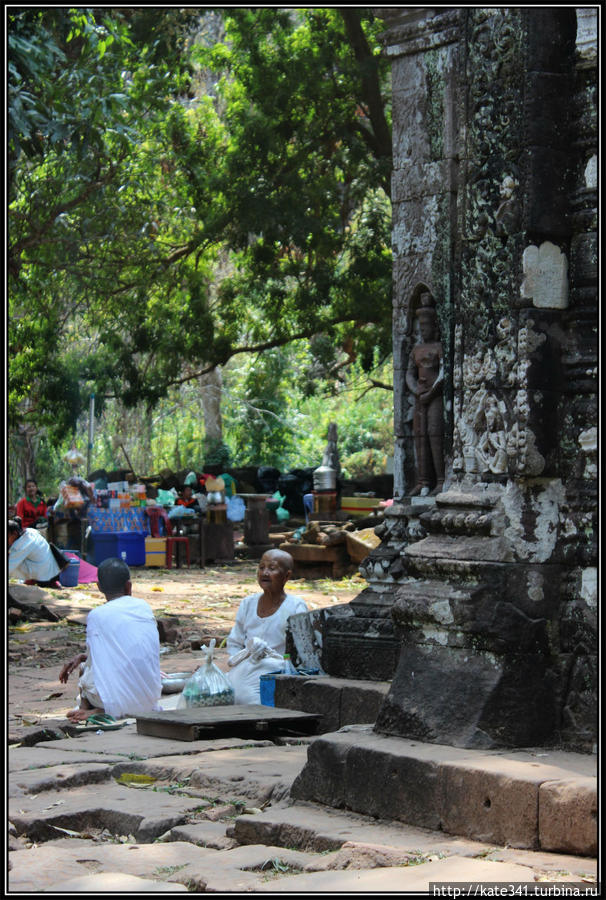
(30, 557)
(271, 629)
(124, 653)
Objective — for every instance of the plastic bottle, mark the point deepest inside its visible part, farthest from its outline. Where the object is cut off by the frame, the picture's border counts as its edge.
(287, 666)
(123, 555)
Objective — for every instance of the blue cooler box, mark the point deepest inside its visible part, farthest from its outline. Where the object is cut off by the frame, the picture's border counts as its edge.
(115, 543)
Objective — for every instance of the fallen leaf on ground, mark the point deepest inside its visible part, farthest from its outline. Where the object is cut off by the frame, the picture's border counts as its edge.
(157, 589)
(67, 831)
(56, 803)
(135, 780)
(54, 695)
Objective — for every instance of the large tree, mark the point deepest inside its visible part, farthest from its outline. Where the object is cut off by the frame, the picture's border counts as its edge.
(184, 189)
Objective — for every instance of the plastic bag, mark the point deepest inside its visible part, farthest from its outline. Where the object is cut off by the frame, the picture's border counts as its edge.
(181, 512)
(165, 498)
(208, 686)
(191, 479)
(236, 508)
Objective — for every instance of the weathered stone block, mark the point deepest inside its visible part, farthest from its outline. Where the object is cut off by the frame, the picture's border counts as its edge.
(568, 816)
(401, 786)
(490, 806)
(469, 698)
(324, 777)
(309, 695)
(361, 703)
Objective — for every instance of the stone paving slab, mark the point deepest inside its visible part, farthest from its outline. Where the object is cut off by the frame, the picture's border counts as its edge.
(253, 773)
(37, 757)
(486, 796)
(249, 868)
(203, 834)
(243, 868)
(401, 878)
(117, 882)
(127, 742)
(318, 828)
(62, 777)
(55, 862)
(314, 827)
(144, 813)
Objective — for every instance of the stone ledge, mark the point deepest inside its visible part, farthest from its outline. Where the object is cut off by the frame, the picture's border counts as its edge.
(341, 701)
(489, 796)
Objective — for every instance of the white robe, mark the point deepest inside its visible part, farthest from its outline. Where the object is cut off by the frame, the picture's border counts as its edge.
(124, 656)
(30, 558)
(245, 676)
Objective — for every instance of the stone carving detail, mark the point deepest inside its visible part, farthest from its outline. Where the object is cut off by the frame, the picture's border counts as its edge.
(425, 378)
(383, 565)
(493, 349)
(508, 215)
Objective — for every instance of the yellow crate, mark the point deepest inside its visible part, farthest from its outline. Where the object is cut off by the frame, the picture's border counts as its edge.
(359, 506)
(155, 552)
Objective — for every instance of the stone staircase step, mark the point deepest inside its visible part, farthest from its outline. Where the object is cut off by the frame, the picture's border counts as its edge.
(341, 701)
(524, 798)
(348, 840)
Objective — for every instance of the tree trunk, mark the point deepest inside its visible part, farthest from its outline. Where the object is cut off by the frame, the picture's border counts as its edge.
(210, 390)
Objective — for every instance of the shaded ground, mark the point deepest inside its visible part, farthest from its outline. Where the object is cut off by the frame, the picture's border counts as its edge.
(204, 601)
(124, 812)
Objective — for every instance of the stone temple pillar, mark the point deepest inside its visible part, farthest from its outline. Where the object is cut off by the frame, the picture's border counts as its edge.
(483, 597)
(494, 213)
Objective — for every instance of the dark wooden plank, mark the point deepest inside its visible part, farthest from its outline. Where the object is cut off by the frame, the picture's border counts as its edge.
(209, 715)
(223, 721)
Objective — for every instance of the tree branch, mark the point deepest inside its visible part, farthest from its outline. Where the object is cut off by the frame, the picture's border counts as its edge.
(369, 74)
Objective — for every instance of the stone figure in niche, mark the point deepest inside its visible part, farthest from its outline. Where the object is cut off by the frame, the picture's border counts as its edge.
(507, 216)
(491, 449)
(425, 377)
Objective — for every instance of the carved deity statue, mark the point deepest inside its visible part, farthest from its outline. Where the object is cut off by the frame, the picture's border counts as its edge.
(425, 377)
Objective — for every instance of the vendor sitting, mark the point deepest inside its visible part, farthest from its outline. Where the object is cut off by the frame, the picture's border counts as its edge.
(257, 641)
(187, 499)
(121, 671)
(31, 507)
(30, 557)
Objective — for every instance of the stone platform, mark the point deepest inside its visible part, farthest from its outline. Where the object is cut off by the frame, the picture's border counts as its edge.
(534, 799)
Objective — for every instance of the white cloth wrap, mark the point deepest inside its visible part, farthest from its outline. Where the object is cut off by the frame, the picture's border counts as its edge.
(30, 557)
(124, 656)
(252, 639)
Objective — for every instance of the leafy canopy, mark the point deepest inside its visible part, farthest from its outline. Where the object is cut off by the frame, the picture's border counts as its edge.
(187, 186)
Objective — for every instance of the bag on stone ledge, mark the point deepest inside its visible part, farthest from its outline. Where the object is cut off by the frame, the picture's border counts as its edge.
(208, 686)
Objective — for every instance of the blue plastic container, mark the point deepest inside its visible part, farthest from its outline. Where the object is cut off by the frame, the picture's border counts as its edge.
(114, 543)
(133, 544)
(105, 545)
(69, 576)
(267, 684)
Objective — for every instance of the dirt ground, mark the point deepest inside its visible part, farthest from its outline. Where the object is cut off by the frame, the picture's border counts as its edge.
(203, 601)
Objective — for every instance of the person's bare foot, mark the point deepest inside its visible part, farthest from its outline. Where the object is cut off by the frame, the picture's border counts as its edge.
(82, 714)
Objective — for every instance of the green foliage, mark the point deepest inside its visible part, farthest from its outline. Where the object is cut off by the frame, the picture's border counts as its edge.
(176, 199)
(364, 463)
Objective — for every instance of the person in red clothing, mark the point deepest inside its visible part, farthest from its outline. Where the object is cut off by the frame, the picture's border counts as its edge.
(187, 499)
(31, 507)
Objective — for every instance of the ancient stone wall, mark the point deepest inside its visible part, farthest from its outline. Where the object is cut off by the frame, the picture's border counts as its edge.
(491, 585)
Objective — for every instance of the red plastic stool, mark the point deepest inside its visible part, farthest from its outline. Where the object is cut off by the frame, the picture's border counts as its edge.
(170, 541)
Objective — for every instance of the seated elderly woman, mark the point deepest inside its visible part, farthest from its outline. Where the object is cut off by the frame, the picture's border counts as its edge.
(30, 557)
(257, 641)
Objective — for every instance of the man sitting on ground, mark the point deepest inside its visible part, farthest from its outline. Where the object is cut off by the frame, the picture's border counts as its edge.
(121, 671)
(30, 557)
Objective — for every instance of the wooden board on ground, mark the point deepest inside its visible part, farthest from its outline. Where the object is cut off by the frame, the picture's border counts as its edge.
(202, 723)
